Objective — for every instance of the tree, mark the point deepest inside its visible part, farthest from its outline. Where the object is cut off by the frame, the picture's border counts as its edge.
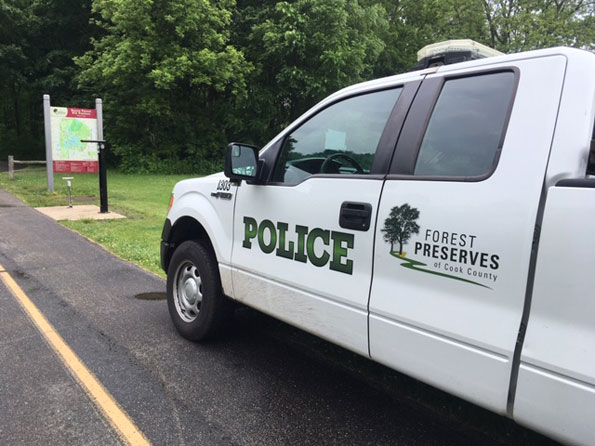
(38, 40)
(302, 51)
(506, 25)
(520, 25)
(181, 78)
(169, 78)
(416, 23)
(400, 225)
(14, 66)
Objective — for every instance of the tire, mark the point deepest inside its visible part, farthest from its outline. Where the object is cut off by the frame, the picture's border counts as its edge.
(195, 299)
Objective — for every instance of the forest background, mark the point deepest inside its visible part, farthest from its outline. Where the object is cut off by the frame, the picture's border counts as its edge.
(179, 79)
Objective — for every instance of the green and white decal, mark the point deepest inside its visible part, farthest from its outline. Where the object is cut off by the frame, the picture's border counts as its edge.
(448, 252)
(299, 244)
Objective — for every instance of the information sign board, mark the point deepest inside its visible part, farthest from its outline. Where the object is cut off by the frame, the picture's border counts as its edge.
(68, 127)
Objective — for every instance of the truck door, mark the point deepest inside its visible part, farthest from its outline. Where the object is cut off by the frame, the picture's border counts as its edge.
(456, 222)
(303, 242)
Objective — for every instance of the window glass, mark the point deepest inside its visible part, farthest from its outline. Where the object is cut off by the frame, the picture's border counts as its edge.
(466, 126)
(341, 139)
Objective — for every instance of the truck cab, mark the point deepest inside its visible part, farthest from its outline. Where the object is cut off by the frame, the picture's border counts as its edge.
(438, 222)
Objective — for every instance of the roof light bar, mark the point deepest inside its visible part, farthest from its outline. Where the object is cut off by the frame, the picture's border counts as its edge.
(452, 51)
(477, 50)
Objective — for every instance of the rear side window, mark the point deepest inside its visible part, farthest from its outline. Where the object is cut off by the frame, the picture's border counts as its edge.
(465, 131)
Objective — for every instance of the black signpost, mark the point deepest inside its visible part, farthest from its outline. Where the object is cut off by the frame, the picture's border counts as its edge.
(102, 174)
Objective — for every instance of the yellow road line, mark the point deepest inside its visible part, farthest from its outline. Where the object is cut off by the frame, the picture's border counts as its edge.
(98, 394)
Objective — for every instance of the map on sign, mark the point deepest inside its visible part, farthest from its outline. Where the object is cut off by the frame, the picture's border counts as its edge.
(68, 127)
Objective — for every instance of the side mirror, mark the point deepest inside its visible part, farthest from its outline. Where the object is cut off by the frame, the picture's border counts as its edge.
(241, 162)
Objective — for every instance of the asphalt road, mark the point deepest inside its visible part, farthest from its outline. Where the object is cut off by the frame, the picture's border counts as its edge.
(261, 383)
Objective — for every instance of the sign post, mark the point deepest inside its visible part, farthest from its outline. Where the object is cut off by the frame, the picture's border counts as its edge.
(48, 142)
(101, 157)
(74, 142)
(102, 179)
(99, 110)
(102, 174)
(65, 127)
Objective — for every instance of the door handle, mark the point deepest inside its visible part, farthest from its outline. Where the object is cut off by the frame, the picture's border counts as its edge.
(355, 216)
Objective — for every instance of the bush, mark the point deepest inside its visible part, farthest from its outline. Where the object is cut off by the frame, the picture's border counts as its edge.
(133, 160)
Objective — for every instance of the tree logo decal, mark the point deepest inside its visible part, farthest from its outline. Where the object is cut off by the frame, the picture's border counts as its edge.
(400, 225)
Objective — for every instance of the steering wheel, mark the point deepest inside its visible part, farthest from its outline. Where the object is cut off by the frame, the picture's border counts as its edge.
(328, 162)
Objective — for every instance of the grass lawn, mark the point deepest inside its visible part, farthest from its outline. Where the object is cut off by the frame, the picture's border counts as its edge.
(143, 199)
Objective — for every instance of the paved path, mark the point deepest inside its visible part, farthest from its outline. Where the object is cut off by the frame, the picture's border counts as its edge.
(263, 383)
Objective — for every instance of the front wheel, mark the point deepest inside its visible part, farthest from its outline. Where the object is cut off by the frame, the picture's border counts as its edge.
(195, 299)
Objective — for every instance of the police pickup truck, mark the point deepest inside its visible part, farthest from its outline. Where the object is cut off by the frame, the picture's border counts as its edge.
(440, 222)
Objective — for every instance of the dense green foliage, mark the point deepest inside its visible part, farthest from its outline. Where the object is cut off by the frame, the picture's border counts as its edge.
(181, 78)
(302, 51)
(167, 74)
(38, 41)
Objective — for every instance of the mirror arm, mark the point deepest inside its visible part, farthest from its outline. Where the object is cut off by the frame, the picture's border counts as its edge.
(260, 171)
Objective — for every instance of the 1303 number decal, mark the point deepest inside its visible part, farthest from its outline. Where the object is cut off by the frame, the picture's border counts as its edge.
(224, 185)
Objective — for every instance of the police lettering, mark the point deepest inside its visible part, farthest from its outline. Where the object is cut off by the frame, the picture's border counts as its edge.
(301, 245)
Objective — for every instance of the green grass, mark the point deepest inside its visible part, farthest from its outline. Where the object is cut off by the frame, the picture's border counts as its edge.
(143, 199)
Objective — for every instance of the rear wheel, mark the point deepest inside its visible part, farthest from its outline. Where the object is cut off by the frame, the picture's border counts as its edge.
(195, 299)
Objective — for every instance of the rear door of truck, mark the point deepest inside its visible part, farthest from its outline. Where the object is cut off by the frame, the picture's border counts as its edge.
(456, 222)
(555, 392)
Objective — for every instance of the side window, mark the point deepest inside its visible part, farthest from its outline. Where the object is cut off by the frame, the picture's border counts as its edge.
(466, 126)
(341, 139)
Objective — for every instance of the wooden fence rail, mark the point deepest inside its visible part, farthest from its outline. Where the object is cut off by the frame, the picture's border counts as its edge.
(12, 162)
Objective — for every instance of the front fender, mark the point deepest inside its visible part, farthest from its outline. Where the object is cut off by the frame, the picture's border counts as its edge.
(213, 214)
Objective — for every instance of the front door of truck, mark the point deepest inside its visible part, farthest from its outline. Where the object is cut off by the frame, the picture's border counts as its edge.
(456, 223)
(303, 242)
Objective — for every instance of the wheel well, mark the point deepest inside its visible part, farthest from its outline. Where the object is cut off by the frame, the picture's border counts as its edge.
(187, 228)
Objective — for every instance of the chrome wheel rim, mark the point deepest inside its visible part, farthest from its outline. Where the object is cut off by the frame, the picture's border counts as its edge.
(187, 291)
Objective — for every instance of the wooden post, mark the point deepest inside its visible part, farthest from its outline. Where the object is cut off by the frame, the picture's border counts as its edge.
(10, 167)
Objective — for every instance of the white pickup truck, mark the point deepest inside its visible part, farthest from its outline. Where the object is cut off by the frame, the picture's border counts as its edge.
(441, 222)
